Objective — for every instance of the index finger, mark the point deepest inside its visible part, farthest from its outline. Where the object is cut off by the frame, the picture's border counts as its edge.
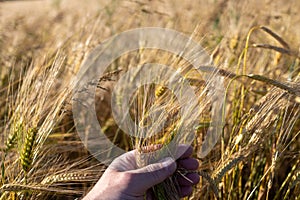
(183, 151)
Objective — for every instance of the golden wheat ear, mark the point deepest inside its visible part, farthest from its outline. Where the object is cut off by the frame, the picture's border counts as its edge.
(34, 189)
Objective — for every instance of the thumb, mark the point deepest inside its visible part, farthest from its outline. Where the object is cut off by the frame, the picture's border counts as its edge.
(152, 174)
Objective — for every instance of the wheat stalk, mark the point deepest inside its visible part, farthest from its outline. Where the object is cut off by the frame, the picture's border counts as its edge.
(211, 181)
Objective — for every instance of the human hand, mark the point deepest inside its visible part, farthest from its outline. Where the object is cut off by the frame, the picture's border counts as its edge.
(124, 180)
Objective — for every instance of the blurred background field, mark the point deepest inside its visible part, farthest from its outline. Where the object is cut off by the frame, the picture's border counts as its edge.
(254, 45)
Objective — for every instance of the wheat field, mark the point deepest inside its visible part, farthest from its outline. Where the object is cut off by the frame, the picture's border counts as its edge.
(253, 45)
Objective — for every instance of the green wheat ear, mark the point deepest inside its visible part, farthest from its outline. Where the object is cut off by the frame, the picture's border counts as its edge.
(11, 140)
(226, 167)
(27, 151)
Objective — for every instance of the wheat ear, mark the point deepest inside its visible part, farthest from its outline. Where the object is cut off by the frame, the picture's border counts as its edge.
(228, 166)
(27, 151)
(34, 188)
(68, 177)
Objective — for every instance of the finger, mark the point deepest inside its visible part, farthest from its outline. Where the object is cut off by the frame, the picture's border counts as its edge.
(150, 175)
(186, 191)
(188, 163)
(189, 179)
(183, 151)
(125, 162)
